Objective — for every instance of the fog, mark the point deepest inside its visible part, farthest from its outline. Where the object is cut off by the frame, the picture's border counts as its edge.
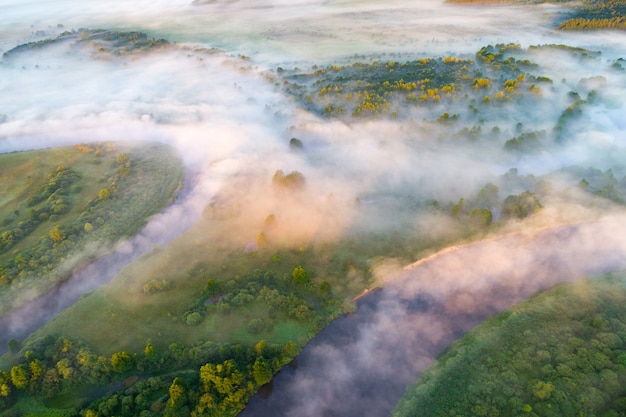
(212, 94)
(361, 365)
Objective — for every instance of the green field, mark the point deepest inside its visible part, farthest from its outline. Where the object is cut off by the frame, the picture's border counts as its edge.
(61, 208)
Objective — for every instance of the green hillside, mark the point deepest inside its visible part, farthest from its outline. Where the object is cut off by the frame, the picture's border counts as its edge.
(61, 208)
(560, 353)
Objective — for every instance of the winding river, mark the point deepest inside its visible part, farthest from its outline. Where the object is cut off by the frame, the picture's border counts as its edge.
(361, 364)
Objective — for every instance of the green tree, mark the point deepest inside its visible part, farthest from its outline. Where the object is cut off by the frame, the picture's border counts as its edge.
(64, 366)
(299, 275)
(104, 194)
(177, 399)
(19, 376)
(37, 369)
(325, 287)
(543, 390)
(149, 352)
(481, 217)
(457, 209)
(14, 346)
(212, 287)
(295, 144)
(122, 362)
(255, 326)
(260, 347)
(56, 234)
(261, 240)
(193, 319)
(261, 371)
(122, 158)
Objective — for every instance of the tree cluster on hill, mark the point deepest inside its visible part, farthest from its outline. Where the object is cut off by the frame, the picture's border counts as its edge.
(560, 353)
(389, 89)
(117, 43)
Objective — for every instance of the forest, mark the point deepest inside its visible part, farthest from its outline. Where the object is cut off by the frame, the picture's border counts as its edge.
(559, 353)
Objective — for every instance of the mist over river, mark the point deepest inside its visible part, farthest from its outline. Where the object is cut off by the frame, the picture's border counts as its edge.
(362, 363)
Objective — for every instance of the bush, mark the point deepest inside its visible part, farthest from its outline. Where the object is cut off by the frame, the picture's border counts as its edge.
(193, 319)
(255, 326)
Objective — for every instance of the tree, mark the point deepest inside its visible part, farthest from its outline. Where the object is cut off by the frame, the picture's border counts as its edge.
(299, 275)
(260, 347)
(457, 209)
(325, 287)
(293, 180)
(261, 240)
(177, 395)
(261, 371)
(104, 194)
(19, 376)
(56, 234)
(64, 366)
(212, 287)
(543, 390)
(481, 218)
(121, 362)
(295, 144)
(37, 369)
(122, 158)
(193, 319)
(149, 352)
(488, 195)
(256, 326)
(14, 346)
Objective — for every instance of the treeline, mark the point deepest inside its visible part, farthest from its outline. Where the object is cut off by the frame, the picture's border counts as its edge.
(102, 40)
(561, 353)
(487, 206)
(603, 184)
(598, 14)
(206, 379)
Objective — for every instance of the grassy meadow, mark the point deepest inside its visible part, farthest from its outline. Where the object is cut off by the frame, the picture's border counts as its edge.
(61, 208)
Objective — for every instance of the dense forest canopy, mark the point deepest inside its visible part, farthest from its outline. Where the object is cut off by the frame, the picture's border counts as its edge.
(559, 353)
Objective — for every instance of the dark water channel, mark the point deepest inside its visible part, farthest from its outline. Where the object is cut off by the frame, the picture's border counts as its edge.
(160, 230)
(361, 364)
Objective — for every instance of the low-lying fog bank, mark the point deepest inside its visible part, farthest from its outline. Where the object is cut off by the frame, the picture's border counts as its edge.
(361, 364)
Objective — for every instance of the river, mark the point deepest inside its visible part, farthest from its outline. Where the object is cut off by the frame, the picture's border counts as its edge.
(361, 364)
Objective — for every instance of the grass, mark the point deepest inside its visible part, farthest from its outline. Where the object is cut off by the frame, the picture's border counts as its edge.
(34, 407)
(215, 249)
(86, 192)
